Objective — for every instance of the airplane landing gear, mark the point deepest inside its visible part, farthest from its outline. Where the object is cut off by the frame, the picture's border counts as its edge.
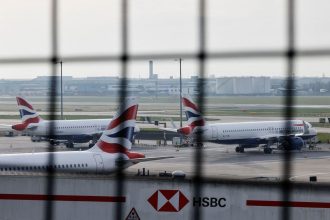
(200, 145)
(268, 150)
(239, 149)
(53, 142)
(69, 145)
(91, 144)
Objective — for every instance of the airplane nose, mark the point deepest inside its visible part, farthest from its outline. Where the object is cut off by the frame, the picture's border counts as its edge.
(312, 131)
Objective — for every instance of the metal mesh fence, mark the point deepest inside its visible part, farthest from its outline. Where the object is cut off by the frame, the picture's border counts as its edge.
(201, 56)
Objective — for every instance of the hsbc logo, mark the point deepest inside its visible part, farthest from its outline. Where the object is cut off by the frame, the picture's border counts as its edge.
(168, 200)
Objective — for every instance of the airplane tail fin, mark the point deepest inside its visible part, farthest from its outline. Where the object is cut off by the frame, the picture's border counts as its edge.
(27, 113)
(118, 136)
(194, 117)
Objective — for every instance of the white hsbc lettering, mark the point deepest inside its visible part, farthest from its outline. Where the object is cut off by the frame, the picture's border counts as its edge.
(209, 202)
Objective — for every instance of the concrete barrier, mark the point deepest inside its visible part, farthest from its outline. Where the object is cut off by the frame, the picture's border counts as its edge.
(94, 197)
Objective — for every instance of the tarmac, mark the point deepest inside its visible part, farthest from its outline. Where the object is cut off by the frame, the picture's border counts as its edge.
(219, 161)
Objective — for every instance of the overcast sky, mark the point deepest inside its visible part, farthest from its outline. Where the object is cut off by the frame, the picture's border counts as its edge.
(158, 26)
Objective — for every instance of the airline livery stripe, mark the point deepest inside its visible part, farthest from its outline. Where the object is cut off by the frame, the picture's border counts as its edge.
(129, 114)
(21, 127)
(124, 133)
(191, 114)
(298, 125)
(71, 198)
(288, 204)
(197, 123)
(111, 147)
(21, 101)
(25, 112)
(187, 103)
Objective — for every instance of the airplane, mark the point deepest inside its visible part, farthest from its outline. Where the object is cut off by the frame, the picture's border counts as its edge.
(246, 134)
(112, 150)
(66, 131)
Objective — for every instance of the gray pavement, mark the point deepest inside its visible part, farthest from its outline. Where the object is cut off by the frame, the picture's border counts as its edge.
(220, 161)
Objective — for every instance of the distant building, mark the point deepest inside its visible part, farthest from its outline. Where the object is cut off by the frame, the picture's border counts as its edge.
(110, 86)
(243, 86)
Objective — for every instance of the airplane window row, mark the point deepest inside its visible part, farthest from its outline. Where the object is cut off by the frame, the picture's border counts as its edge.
(30, 168)
(83, 126)
(264, 129)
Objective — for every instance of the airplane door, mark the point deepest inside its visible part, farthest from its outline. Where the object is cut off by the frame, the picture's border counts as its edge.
(214, 133)
(99, 163)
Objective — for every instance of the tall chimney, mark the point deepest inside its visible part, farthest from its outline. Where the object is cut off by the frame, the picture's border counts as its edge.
(151, 71)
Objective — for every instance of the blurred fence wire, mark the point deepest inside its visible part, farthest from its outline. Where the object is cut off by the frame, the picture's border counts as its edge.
(201, 56)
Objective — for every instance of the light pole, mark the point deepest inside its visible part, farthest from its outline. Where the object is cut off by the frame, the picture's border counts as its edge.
(61, 89)
(180, 61)
(180, 91)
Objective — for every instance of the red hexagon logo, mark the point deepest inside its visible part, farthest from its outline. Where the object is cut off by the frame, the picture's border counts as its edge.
(168, 200)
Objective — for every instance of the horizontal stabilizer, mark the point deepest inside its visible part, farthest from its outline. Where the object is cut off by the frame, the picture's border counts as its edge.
(32, 126)
(4, 127)
(138, 160)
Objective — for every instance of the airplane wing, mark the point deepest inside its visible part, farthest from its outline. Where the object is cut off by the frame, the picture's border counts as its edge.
(138, 160)
(168, 129)
(274, 136)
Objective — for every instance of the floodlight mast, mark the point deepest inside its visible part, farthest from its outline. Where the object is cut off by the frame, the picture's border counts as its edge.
(60, 62)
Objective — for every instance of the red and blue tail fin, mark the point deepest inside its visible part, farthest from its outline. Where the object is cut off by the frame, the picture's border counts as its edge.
(194, 117)
(117, 138)
(27, 113)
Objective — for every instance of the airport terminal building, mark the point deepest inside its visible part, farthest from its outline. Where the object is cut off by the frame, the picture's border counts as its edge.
(154, 86)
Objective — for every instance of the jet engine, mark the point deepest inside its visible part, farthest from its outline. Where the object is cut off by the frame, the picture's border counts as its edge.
(293, 143)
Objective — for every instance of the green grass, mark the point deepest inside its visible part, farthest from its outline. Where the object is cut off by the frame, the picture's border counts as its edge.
(323, 137)
(150, 129)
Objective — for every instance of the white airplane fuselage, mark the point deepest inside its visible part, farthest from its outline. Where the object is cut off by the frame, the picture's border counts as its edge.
(82, 161)
(77, 131)
(253, 133)
(70, 127)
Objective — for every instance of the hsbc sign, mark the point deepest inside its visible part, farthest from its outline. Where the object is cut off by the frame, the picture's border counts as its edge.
(175, 200)
(168, 200)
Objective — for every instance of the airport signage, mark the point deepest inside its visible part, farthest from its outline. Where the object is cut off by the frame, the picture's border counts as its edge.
(175, 200)
(209, 202)
(133, 215)
(168, 200)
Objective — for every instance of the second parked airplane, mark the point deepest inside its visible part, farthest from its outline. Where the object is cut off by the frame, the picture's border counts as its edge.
(246, 134)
